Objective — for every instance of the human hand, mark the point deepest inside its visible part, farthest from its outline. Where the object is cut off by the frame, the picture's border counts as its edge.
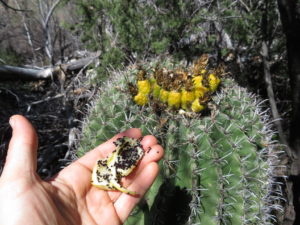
(68, 198)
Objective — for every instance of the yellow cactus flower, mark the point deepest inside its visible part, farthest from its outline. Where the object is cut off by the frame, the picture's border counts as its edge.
(187, 97)
(144, 86)
(163, 95)
(196, 106)
(174, 99)
(141, 99)
(198, 83)
(199, 88)
(213, 81)
(200, 92)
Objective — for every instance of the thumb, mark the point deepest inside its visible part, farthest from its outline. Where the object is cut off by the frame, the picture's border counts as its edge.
(22, 150)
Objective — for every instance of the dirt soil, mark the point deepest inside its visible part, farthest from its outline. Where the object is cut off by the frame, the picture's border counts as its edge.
(55, 107)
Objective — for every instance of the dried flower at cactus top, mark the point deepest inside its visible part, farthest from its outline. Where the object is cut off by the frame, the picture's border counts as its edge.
(200, 65)
(179, 88)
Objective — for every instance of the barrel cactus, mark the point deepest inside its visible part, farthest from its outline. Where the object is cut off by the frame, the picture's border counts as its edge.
(219, 158)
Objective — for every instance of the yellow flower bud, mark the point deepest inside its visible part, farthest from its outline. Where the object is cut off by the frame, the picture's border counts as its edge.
(144, 86)
(141, 99)
(213, 81)
(156, 90)
(152, 81)
(174, 99)
(187, 97)
(196, 106)
(163, 95)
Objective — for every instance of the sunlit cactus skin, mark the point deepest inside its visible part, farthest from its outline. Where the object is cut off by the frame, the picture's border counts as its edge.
(220, 162)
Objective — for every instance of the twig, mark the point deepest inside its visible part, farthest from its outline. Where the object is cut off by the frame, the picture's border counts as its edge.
(49, 14)
(27, 33)
(10, 7)
(45, 22)
(12, 93)
(43, 100)
(245, 6)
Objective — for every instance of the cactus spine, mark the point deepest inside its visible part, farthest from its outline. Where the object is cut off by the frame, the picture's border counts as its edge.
(220, 164)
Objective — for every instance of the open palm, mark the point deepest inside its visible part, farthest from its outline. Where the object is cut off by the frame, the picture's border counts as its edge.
(68, 198)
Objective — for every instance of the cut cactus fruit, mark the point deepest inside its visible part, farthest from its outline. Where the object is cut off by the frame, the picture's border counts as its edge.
(121, 162)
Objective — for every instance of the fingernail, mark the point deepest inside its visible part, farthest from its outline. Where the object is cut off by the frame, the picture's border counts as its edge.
(12, 122)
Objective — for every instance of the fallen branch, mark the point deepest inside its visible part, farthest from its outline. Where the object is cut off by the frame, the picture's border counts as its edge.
(22, 73)
(79, 64)
(15, 73)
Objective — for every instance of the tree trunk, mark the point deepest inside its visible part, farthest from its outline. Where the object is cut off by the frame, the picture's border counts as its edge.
(290, 18)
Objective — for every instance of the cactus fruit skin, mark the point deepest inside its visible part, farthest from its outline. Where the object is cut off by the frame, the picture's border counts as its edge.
(144, 86)
(213, 81)
(223, 161)
(174, 99)
(141, 99)
(187, 97)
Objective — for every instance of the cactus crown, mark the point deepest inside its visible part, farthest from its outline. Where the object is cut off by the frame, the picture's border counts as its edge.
(187, 89)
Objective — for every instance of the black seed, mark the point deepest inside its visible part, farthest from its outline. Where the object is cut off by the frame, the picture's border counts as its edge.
(149, 149)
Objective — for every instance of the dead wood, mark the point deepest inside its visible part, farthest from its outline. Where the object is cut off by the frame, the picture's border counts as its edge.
(23, 73)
